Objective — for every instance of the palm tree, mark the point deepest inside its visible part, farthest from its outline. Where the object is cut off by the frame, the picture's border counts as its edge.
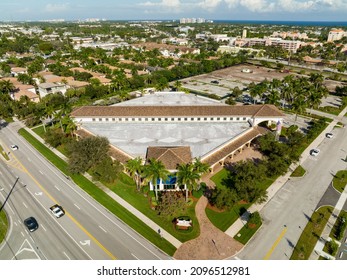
(187, 176)
(177, 85)
(299, 105)
(6, 86)
(135, 168)
(154, 171)
(201, 168)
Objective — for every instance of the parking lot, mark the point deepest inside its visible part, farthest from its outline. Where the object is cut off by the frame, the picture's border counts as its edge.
(222, 82)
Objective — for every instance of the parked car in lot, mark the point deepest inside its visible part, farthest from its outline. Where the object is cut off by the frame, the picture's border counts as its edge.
(31, 224)
(314, 152)
(329, 135)
(14, 147)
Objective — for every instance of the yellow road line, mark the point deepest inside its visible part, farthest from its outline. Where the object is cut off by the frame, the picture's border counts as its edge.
(269, 253)
(73, 219)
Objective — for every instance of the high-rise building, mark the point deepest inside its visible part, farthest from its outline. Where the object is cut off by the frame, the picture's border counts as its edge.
(244, 33)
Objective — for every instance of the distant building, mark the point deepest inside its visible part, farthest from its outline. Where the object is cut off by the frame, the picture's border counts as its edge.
(244, 33)
(289, 45)
(336, 34)
(192, 20)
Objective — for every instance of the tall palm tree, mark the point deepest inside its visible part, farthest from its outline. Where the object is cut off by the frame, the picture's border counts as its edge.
(135, 168)
(187, 176)
(201, 168)
(154, 171)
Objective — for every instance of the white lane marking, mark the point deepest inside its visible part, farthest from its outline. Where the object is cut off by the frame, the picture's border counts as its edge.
(25, 205)
(43, 228)
(56, 187)
(77, 206)
(66, 255)
(134, 256)
(41, 172)
(104, 230)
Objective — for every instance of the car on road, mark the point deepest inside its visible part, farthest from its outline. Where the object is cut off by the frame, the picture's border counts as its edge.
(14, 147)
(31, 224)
(215, 82)
(314, 152)
(329, 135)
(57, 210)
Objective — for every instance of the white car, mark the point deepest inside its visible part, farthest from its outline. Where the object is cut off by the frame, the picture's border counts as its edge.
(314, 152)
(57, 210)
(14, 147)
(329, 135)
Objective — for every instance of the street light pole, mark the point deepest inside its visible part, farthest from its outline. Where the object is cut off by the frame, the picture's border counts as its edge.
(7, 197)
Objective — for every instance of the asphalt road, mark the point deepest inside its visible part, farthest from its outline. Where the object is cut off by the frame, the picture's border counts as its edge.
(287, 213)
(86, 231)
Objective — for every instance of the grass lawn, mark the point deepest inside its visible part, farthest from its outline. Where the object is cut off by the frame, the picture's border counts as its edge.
(102, 197)
(224, 219)
(340, 180)
(298, 172)
(311, 233)
(3, 225)
(246, 233)
(126, 189)
(39, 130)
(330, 110)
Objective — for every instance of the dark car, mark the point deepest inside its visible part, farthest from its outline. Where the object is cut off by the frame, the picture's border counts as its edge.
(31, 224)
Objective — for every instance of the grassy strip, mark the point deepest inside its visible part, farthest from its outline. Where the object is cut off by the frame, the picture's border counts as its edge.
(339, 226)
(340, 180)
(246, 233)
(3, 225)
(4, 154)
(311, 234)
(102, 197)
(298, 172)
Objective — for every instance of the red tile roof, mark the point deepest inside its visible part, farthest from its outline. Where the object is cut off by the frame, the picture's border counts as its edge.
(162, 111)
(170, 156)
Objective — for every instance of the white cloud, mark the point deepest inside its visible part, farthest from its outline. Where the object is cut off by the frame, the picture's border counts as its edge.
(209, 4)
(258, 5)
(293, 5)
(164, 3)
(232, 3)
(52, 8)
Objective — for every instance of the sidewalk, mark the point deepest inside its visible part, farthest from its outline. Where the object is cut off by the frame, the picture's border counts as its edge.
(280, 181)
(118, 199)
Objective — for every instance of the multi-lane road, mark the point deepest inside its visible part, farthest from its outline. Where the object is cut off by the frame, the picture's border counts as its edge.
(86, 231)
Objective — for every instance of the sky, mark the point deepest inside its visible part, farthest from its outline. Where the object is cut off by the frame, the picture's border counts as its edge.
(289, 10)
